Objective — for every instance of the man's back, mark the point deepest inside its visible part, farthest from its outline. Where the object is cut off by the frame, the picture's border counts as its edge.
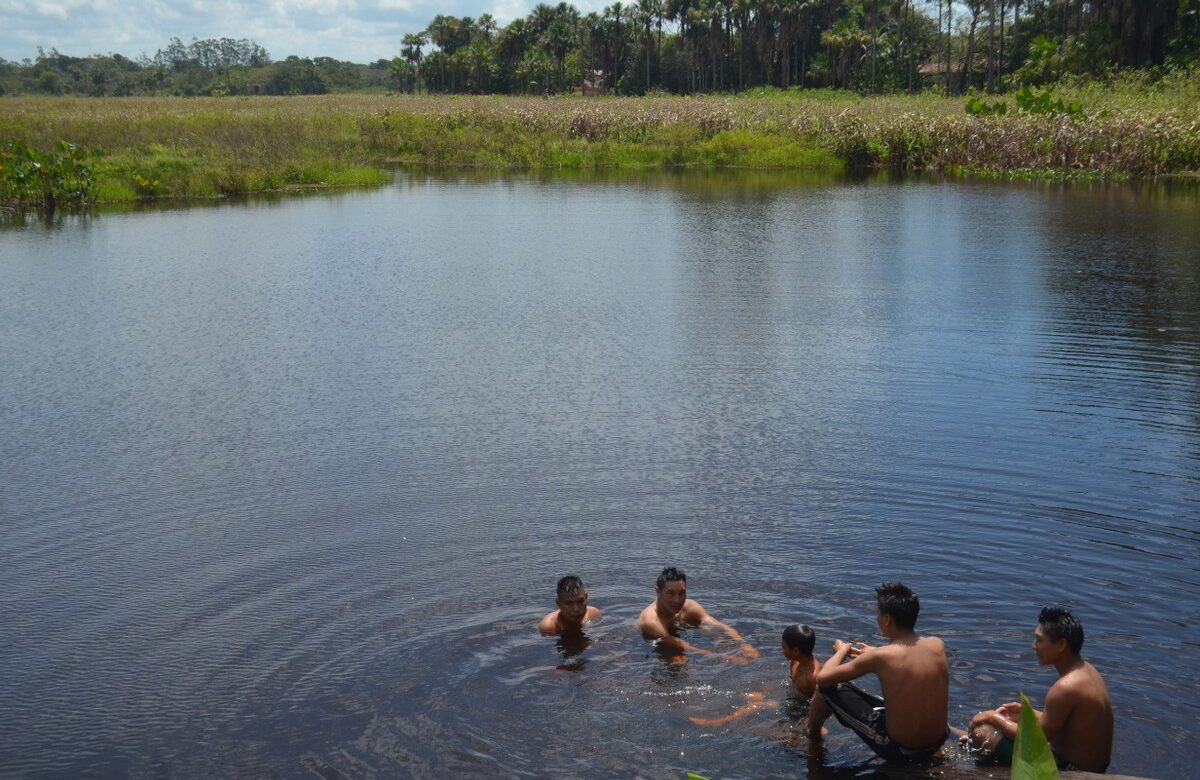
(915, 677)
(1080, 699)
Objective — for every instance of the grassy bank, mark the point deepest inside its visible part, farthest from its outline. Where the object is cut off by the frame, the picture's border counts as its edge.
(171, 147)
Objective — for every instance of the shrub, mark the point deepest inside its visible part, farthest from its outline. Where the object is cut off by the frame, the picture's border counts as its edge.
(46, 180)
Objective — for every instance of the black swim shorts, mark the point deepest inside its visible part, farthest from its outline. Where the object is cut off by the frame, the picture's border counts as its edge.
(863, 713)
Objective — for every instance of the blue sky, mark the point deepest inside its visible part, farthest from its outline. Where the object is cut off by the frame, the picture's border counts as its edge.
(356, 30)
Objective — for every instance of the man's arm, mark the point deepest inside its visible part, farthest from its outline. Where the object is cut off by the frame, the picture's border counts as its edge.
(549, 624)
(834, 671)
(1007, 717)
(654, 630)
(998, 720)
(1059, 703)
(708, 620)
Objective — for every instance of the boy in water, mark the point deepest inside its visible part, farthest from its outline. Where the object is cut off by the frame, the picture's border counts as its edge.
(573, 611)
(797, 645)
(908, 724)
(1078, 717)
(798, 642)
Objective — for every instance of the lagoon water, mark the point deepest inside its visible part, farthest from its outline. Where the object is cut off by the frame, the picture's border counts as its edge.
(285, 486)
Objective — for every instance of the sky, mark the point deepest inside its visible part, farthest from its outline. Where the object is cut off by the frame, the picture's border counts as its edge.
(355, 30)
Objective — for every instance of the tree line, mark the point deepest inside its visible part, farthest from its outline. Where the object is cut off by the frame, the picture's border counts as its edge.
(685, 46)
(212, 66)
(681, 46)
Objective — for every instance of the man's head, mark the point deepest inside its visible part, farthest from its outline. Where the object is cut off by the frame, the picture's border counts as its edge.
(672, 590)
(572, 599)
(897, 605)
(1057, 633)
(798, 642)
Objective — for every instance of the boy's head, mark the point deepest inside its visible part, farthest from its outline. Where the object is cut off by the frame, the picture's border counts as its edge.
(896, 600)
(1057, 631)
(798, 642)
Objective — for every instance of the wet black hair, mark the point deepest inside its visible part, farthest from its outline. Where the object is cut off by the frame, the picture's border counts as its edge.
(898, 600)
(1058, 623)
(800, 638)
(569, 584)
(670, 574)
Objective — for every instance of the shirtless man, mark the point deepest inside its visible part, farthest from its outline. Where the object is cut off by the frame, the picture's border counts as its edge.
(909, 723)
(660, 622)
(573, 611)
(1078, 718)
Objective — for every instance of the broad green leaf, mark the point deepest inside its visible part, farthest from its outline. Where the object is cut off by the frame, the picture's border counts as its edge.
(1032, 759)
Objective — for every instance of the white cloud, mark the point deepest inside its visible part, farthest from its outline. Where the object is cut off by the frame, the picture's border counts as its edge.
(356, 30)
(52, 10)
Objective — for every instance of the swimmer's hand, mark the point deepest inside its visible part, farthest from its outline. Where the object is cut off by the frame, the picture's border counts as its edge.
(749, 650)
(1010, 711)
(740, 660)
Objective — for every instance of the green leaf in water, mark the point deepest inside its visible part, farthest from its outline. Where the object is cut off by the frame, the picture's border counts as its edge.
(694, 776)
(1032, 759)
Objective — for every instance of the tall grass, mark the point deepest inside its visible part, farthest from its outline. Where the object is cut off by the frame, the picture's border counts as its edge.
(154, 147)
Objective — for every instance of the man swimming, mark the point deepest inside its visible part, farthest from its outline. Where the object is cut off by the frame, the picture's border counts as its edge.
(660, 622)
(573, 610)
(1078, 717)
(909, 723)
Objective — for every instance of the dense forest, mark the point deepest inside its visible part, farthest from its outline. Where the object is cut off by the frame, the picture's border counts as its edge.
(211, 67)
(681, 46)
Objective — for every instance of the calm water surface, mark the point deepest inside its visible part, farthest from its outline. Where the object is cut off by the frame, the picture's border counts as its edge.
(285, 487)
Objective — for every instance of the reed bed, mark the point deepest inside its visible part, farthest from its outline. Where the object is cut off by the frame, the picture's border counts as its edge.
(154, 147)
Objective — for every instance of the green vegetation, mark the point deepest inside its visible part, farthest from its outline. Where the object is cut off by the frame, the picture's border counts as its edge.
(1032, 758)
(152, 148)
(61, 176)
(1057, 89)
(214, 67)
(682, 47)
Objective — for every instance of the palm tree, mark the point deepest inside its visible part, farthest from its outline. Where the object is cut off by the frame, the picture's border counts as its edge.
(413, 43)
(647, 12)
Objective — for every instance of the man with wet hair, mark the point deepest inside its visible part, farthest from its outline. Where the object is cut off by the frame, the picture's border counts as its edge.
(1078, 717)
(672, 609)
(908, 724)
(573, 610)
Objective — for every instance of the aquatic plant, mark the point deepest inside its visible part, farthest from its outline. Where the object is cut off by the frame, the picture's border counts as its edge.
(1035, 101)
(61, 177)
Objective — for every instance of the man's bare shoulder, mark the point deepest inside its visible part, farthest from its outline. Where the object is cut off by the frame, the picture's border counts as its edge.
(592, 614)
(549, 624)
(1086, 682)
(692, 612)
(649, 621)
(925, 650)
